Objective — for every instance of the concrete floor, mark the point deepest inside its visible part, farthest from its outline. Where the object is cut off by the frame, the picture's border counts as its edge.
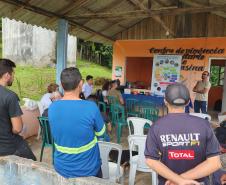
(141, 178)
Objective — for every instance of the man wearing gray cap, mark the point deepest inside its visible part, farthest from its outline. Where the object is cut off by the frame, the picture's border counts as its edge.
(181, 148)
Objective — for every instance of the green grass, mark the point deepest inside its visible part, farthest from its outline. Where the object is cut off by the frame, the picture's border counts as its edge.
(31, 82)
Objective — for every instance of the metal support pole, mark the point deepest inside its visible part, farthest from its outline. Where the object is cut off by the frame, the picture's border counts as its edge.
(62, 39)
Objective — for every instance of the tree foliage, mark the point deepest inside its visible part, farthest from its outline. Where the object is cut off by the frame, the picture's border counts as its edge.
(95, 52)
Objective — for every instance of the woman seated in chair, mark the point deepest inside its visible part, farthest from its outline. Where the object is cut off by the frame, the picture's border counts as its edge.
(53, 97)
(105, 90)
(116, 93)
(45, 100)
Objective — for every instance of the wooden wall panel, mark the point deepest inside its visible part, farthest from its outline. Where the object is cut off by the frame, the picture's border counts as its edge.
(183, 26)
(139, 69)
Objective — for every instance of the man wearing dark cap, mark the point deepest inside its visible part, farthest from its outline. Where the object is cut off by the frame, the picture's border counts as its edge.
(181, 148)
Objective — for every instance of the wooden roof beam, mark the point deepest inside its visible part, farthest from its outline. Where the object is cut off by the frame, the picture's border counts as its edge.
(145, 14)
(195, 3)
(75, 4)
(161, 3)
(155, 17)
(105, 9)
(17, 9)
(102, 30)
(44, 12)
(72, 5)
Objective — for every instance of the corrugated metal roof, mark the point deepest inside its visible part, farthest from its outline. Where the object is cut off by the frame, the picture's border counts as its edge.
(107, 17)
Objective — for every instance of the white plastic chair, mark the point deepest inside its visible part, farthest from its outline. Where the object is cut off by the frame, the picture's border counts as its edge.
(137, 162)
(201, 115)
(138, 125)
(41, 110)
(110, 170)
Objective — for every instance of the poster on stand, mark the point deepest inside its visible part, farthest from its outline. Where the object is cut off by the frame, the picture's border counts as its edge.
(166, 70)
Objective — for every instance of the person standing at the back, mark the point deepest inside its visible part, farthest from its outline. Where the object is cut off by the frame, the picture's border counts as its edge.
(11, 143)
(87, 87)
(201, 89)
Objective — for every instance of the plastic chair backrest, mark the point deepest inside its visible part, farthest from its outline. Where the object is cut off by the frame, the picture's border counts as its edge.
(147, 104)
(138, 141)
(118, 112)
(105, 148)
(138, 125)
(131, 104)
(150, 113)
(45, 130)
(40, 107)
(99, 95)
(112, 100)
(201, 115)
(102, 106)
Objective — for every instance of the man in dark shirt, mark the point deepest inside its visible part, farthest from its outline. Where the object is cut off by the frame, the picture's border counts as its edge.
(181, 148)
(11, 143)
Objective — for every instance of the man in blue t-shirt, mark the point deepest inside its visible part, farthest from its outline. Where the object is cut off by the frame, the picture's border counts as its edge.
(74, 124)
(181, 148)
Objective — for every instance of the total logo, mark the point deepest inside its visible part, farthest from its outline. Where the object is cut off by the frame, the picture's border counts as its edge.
(181, 154)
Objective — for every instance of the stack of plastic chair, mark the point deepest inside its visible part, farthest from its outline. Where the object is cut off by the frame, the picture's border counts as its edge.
(41, 110)
(110, 170)
(138, 125)
(132, 107)
(47, 140)
(118, 115)
(137, 162)
(201, 115)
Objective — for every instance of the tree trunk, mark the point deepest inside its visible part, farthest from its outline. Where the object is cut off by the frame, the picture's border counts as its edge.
(81, 50)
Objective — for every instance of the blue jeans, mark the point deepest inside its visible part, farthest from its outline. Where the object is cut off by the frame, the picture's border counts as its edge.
(200, 105)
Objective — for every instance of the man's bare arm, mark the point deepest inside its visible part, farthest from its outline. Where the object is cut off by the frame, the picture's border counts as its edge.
(195, 87)
(165, 172)
(204, 169)
(17, 124)
(203, 91)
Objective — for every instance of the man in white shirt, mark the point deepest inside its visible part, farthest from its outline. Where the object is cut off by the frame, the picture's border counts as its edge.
(201, 89)
(87, 87)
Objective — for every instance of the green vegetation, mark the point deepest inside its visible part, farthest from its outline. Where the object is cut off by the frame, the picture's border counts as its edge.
(95, 52)
(31, 82)
(217, 75)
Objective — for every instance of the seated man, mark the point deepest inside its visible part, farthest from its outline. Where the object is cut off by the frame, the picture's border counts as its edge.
(87, 87)
(74, 124)
(11, 143)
